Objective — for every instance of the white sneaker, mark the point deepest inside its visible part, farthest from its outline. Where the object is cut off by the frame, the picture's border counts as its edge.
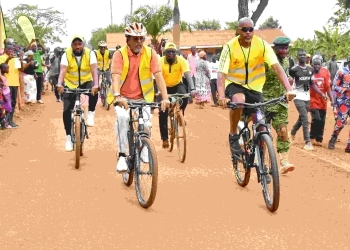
(69, 144)
(122, 166)
(40, 101)
(91, 119)
(144, 155)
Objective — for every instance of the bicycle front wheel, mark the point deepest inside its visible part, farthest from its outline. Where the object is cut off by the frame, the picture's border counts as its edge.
(180, 135)
(103, 95)
(171, 129)
(269, 173)
(78, 145)
(146, 167)
(128, 176)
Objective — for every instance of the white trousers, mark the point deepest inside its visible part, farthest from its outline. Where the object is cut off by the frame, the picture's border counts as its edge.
(122, 125)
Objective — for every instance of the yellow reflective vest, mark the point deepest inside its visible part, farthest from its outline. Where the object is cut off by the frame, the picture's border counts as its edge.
(248, 72)
(145, 74)
(77, 72)
(102, 60)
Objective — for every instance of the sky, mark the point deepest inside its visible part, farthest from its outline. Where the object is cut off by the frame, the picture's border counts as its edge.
(295, 17)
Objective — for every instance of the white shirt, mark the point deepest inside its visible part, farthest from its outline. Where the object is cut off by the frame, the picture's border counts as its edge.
(93, 59)
(213, 67)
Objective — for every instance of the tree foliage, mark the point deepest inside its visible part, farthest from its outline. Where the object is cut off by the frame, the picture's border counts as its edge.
(207, 25)
(231, 25)
(341, 17)
(49, 24)
(100, 33)
(270, 23)
(157, 19)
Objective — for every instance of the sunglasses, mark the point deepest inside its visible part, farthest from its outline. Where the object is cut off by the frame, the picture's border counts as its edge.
(169, 52)
(246, 29)
(103, 47)
(138, 39)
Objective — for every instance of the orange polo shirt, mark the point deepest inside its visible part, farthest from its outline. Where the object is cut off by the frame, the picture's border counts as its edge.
(131, 88)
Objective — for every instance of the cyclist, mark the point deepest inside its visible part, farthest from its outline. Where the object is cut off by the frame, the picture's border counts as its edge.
(132, 69)
(78, 70)
(103, 59)
(278, 114)
(246, 53)
(173, 67)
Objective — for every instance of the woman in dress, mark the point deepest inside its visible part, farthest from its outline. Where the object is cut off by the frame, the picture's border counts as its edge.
(29, 66)
(202, 82)
(5, 97)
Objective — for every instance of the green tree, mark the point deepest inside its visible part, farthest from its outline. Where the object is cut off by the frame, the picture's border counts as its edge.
(231, 25)
(270, 23)
(341, 17)
(243, 9)
(185, 26)
(49, 24)
(157, 19)
(207, 25)
(309, 45)
(100, 33)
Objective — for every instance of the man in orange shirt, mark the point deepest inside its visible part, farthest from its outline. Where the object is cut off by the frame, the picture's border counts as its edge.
(132, 69)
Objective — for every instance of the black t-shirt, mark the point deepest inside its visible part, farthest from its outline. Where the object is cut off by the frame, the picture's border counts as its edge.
(30, 69)
(302, 76)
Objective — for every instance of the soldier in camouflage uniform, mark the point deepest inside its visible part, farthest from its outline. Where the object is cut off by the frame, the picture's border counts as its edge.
(278, 114)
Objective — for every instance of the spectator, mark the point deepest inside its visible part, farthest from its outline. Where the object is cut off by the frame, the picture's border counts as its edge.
(29, 67)
(39, 71)
(6, 97)
(15, 66)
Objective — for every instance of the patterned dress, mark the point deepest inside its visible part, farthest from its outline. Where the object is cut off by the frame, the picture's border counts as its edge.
(202, 82)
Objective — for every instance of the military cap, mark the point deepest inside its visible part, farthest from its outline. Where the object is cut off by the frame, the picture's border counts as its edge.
(281, 40)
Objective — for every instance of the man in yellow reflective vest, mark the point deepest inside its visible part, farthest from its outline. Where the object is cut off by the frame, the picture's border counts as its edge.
(173, 68)
(103, 59)
(78, 70)
(132, 69)
(241, 75)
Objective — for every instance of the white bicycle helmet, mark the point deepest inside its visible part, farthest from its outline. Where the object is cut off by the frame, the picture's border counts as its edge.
(102, 44)
(135, 29)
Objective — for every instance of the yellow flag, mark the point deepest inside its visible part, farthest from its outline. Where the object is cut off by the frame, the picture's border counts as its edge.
(27, 27)
(2, 27)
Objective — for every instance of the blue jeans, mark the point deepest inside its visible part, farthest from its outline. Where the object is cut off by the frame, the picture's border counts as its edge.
(303, 120)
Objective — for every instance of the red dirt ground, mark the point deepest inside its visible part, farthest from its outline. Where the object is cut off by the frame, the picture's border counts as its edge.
(47, 204)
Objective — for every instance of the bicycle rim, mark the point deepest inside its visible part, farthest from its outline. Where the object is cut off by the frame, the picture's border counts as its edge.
(146, 200)
(269, 173)
(77, 141)
(180, 134)
(171, 131)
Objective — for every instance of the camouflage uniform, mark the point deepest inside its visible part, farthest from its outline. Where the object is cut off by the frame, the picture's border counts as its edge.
(277, 113)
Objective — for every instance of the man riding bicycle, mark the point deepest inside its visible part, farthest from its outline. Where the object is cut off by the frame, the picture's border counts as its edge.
(103, 59)
(241, 75)
(78, 70)
(173, 67)
(132, 69)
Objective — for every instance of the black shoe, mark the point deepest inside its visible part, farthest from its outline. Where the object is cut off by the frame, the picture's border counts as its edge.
(234, 145)
(332, 142)
(347, 149)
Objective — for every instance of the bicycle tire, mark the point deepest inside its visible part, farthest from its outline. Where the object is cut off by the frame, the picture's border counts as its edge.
(171, 132)
(153, 164)
(128, 176)
(180, 125)
(242, 180)
(82, 132)
(103, 95)
(77, 141)
(272, 205)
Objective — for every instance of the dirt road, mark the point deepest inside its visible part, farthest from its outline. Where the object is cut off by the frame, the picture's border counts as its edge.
(47, 204)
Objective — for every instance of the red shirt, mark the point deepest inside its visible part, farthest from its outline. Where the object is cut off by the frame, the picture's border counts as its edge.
(322, 81)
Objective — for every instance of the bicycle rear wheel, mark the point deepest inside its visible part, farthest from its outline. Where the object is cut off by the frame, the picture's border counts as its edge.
(128, 176)
(269, 174)
(146, 200)
(240, 165)
(78, 145)
(180, 134)
(171, 129)
(103, 95)
(82, 131)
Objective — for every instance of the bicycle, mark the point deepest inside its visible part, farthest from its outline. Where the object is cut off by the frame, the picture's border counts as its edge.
(78, 128)
(177, 125)
(254, 146)
(138, 140)
(104, 88)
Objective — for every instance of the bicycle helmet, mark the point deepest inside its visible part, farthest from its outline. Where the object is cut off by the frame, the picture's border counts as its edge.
(135, 29)
(102, 44)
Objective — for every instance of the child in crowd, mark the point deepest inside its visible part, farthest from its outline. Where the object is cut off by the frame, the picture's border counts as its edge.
(4, 68)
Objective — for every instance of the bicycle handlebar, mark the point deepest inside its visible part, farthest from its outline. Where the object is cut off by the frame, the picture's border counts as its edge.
(76, 91)
(179, 95)
(236, 105)
(140, 104)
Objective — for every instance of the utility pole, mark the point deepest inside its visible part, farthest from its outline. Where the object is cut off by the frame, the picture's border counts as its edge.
(110, 3)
